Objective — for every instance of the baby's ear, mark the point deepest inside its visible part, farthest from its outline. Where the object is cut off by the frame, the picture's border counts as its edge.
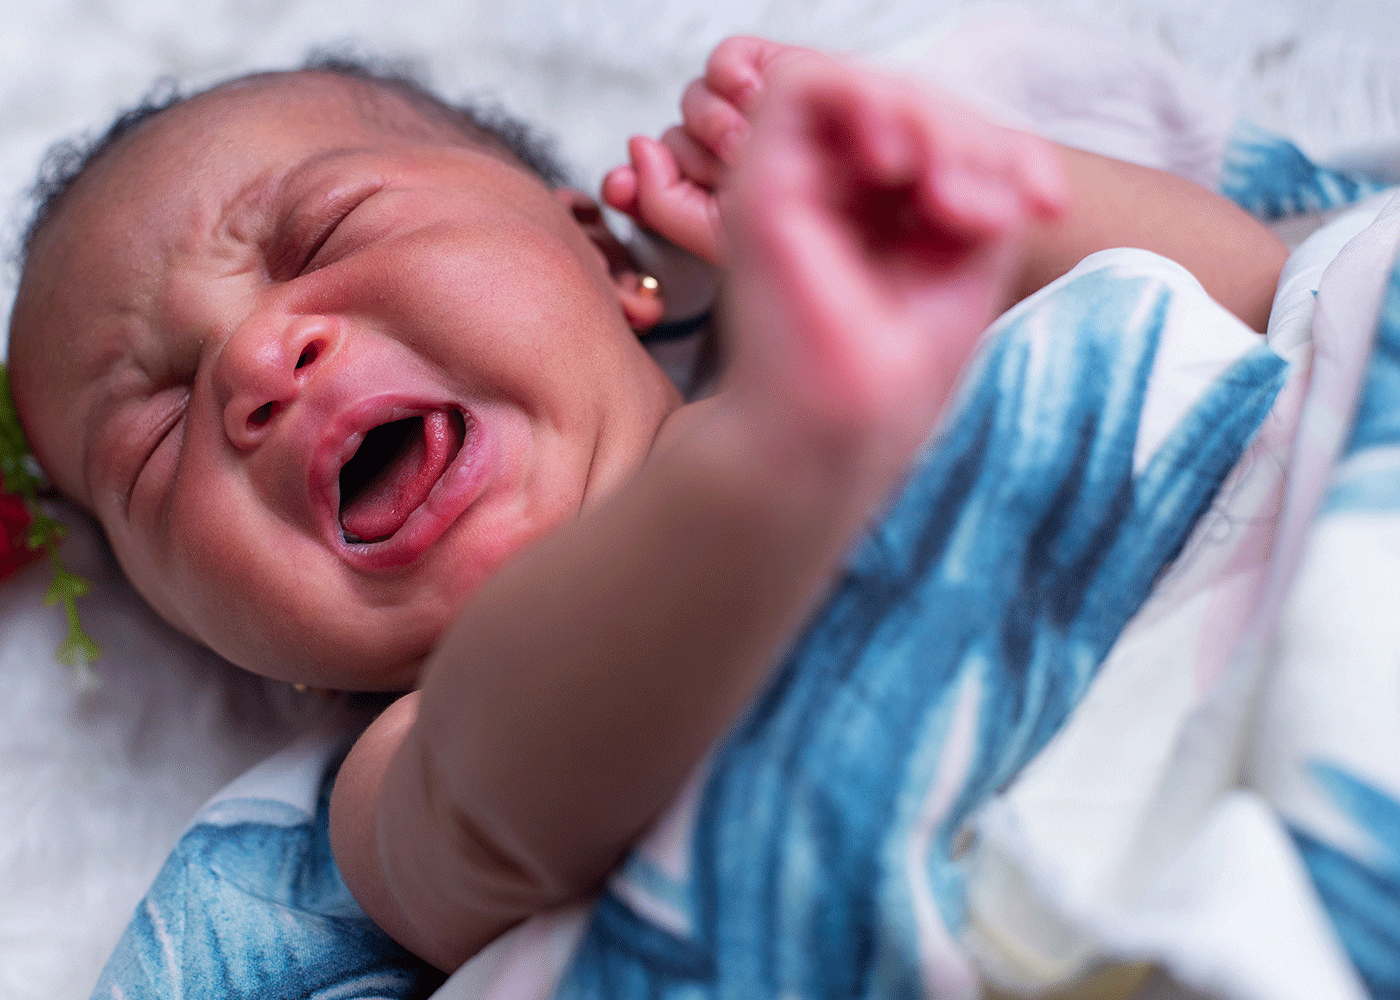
(638, 293)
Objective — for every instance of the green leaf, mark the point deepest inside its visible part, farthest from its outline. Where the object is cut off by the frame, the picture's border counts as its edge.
(44, 532)
(20, 476)
(66, 587)
(78, 650)
(12, 440)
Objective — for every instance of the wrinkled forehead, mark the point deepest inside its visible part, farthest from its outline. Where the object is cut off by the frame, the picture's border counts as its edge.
(179, 172)
(211, 146)
(190, 163)
(208, 151)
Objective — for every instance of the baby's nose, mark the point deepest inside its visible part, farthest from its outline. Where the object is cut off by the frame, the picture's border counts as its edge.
(262, 369)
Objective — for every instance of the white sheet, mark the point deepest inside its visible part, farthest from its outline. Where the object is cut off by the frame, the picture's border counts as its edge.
(95, 785)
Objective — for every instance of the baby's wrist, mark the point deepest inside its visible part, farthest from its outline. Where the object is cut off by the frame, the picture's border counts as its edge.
(845, 468)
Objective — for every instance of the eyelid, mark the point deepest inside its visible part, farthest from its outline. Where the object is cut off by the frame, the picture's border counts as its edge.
(172, 404)
(306, 233)
(322, 237)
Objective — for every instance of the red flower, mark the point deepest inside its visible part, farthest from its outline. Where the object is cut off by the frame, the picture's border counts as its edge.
(14, 523)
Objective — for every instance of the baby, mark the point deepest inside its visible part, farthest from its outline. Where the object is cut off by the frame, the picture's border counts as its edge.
(360, 403)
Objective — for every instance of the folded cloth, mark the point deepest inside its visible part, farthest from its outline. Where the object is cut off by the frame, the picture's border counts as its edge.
(1160, 825)
(1326, 748)
(250, 904)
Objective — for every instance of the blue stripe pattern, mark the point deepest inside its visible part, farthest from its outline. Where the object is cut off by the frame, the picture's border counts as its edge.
(1362, 896)
(1018, 551)
(1378, 412)
(1375, 485)
(256, 910)
(1270, 177)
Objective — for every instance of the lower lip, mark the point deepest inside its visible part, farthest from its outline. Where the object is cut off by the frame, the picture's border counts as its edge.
(454, 492)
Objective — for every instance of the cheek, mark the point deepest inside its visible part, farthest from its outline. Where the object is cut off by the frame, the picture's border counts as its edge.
(508, 309)
(234, 583)
(272, 601)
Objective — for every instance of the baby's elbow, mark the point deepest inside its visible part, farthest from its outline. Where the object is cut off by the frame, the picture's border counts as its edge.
(458, 878)
(518, 875)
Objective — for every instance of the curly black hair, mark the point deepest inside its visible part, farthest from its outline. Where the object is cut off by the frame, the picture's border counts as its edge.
(69, 160)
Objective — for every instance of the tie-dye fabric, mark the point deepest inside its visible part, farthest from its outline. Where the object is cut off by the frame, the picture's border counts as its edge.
(1336, 730)
(251, 906)
(1271, 178)
(1226, 805)
(964, 631)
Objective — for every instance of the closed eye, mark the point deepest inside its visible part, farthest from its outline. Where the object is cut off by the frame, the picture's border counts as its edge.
(312, 241)
(155, 443)
(319, 241)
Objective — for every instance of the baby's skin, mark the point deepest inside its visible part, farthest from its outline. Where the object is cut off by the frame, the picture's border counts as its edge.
(601, 576)
(242, 291)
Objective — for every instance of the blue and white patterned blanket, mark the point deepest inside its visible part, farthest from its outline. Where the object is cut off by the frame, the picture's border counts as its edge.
(963, 633)
(1115, 684)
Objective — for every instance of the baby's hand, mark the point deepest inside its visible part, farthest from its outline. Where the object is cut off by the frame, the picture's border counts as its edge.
(669, 187)
(873, 229)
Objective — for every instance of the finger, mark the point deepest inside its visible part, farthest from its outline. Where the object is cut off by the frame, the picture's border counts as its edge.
(655, 167)
(671, 205)
(977, 205)
(871, 119)
(713, 122)
(738, 67)
(855, 124)
(965, 174)
(923, 170)
(1007, 178)
(1026, 164)
(988, 179)
(619, 189)
(735, 70)
(695, 163)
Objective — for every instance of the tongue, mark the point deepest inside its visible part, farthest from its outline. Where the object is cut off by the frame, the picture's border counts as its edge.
(383, 505)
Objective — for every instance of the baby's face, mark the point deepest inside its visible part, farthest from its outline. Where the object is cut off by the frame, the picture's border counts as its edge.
(317, 377)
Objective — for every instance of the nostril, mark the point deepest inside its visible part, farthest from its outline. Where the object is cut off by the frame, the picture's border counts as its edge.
(260, 416)
(308, 355)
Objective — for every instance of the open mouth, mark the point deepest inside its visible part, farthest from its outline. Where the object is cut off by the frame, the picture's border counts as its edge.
(392, 472)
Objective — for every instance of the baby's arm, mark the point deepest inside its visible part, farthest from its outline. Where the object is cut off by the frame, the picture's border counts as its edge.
(670, 185)
(871, 229)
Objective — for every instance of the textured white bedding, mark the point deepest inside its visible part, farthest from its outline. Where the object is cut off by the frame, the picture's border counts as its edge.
(96, 784)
